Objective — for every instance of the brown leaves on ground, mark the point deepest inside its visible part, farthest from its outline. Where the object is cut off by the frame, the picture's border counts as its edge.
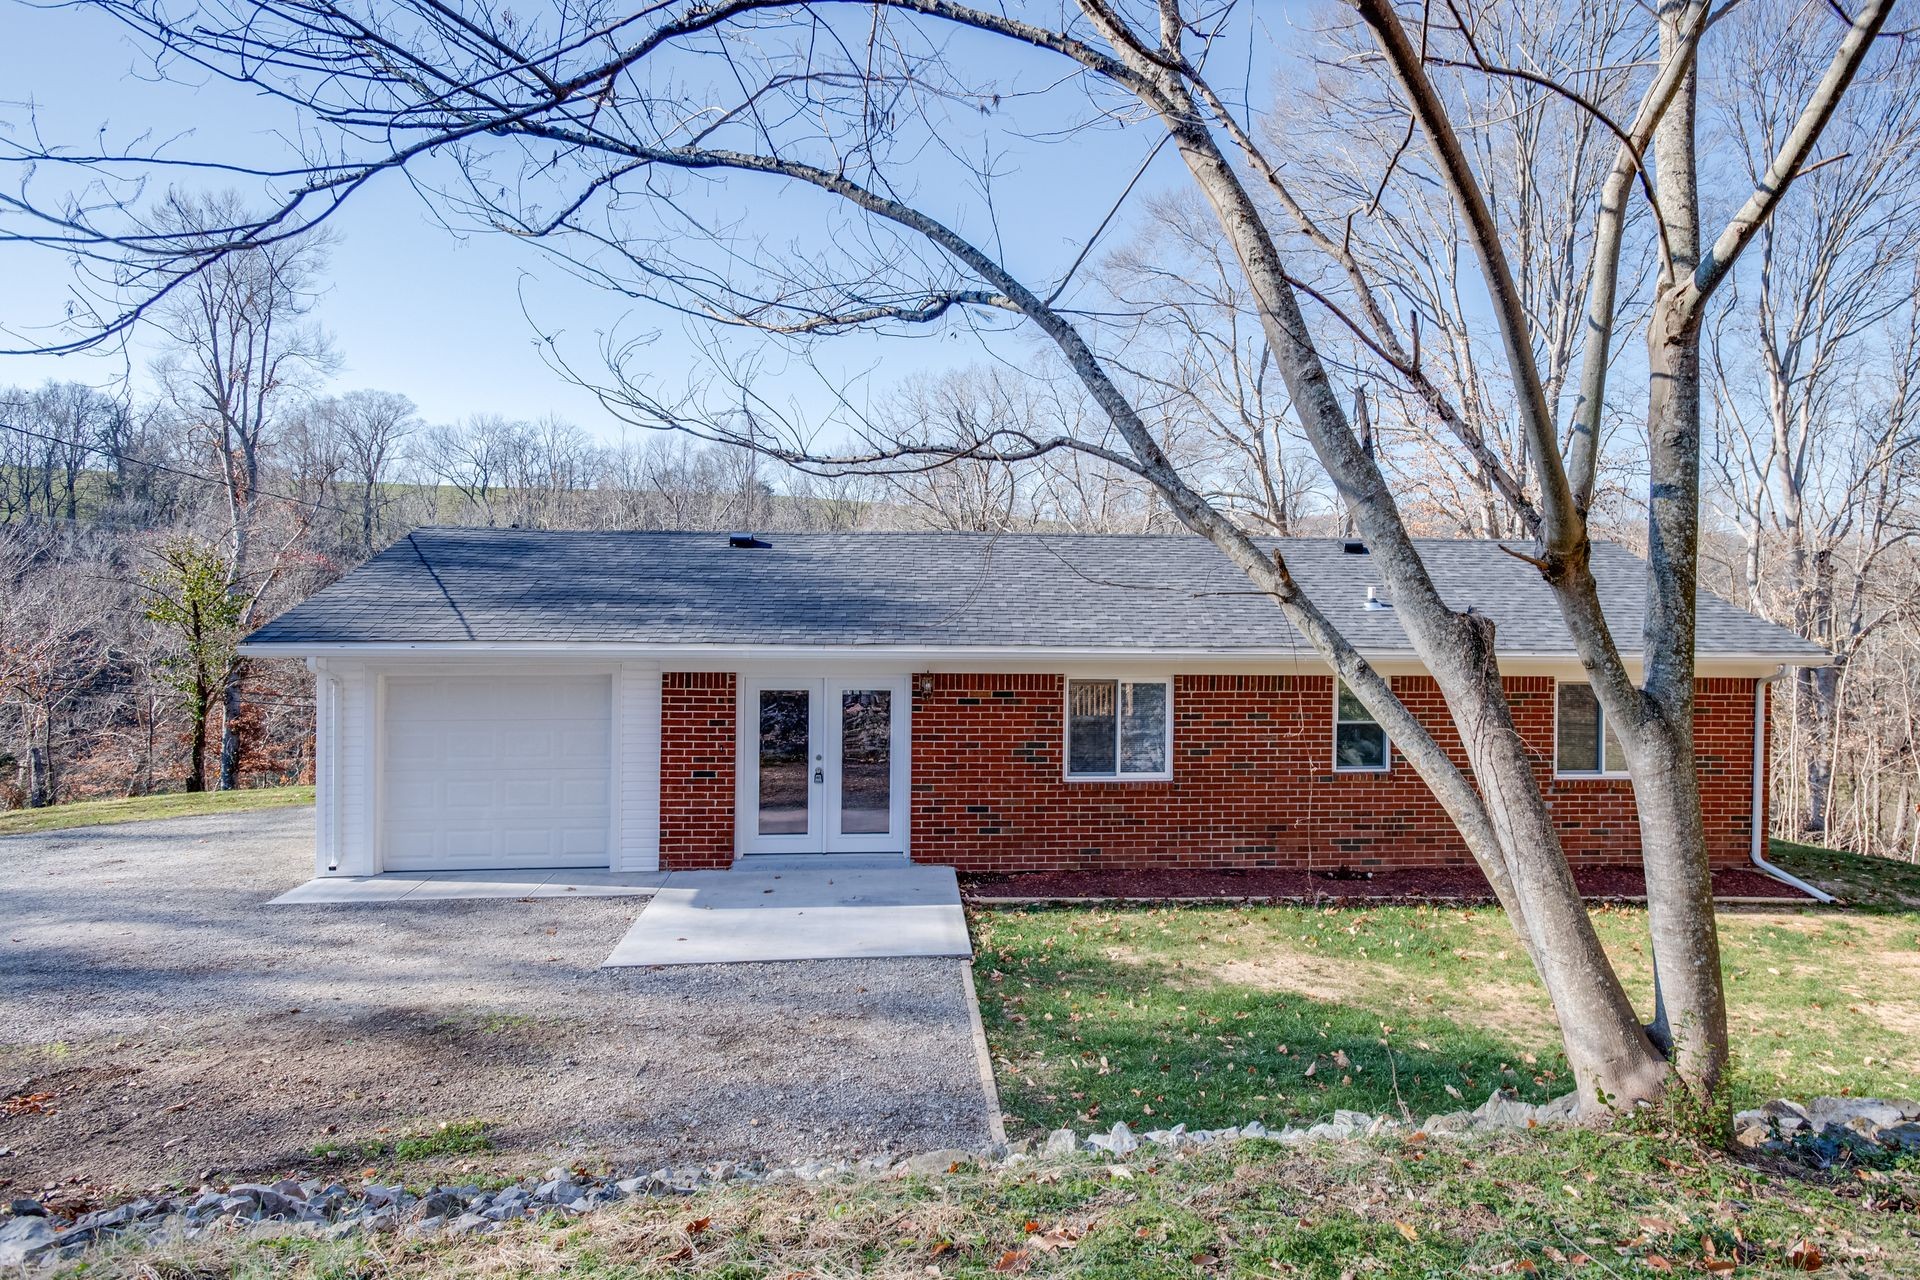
(1805, 1255)
(1062, 1235)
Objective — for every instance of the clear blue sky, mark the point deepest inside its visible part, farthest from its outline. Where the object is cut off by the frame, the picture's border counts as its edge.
(412, 307)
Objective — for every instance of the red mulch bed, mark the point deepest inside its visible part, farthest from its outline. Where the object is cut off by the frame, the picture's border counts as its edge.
(1451, 884)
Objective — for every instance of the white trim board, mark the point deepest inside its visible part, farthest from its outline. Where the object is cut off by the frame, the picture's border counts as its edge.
(1239, 661)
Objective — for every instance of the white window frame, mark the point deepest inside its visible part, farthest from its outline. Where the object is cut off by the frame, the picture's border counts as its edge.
(1576, 774)
(1333, 739)
(1066, 730)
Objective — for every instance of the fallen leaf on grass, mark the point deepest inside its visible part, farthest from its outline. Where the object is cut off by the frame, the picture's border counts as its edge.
(682, 1254)
(1060, 1236)
(1406, 1229)
(1013, 1260)
(1119, 1173)
(1654, 1262)
(698, 1225)
(1806, 1256)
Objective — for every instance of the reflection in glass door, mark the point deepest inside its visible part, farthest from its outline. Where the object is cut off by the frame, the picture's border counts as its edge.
(782, 767)
(866, 762)
(786, 732)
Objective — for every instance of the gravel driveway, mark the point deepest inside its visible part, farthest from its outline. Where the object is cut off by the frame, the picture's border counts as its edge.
(178, 1026)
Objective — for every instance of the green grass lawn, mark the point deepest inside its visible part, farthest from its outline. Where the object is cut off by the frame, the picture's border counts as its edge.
(1553, 1204)
(178, 804)
(1877, 884)
(1215, 1015)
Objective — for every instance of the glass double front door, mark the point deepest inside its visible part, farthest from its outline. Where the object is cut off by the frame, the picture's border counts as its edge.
(824, 765)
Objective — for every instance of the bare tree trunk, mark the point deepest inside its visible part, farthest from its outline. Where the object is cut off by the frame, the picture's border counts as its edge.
(230, 732)
(39, 767)
(1613, 1061)
(197, 736)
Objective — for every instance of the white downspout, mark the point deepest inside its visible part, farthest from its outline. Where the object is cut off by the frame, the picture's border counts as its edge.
(1759, 794)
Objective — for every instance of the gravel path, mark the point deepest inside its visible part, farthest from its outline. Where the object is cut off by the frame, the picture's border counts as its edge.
(180, 1026)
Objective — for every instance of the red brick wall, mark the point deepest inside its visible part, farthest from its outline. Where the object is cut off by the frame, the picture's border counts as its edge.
(1253, 781)
(697, 713)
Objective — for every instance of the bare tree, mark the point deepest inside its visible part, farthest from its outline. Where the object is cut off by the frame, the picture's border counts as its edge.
(1198, 354)
(371, 428)
(624, 123)
(49, 439)
(241, 349)
(1817, 351)
(52, 647)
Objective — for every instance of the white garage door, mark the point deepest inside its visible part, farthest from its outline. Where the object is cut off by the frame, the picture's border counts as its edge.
(496, 771)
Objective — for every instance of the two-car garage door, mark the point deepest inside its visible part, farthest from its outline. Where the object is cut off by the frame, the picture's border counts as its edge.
(496, 771)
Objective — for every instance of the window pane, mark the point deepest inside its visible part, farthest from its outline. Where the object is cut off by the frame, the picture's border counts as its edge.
(784, 714)
(1350, 709)
(1360, 746)
(1143, 728)
(866, 761)
(1616, 756)
(1091, 716)
(1579, 736)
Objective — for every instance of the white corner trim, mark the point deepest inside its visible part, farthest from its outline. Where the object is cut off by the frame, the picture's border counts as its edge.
(636, 780)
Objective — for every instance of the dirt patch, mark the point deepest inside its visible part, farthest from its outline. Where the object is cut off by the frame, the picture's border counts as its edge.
(1510, 1009)
(1899, 1016)
(1315, 977)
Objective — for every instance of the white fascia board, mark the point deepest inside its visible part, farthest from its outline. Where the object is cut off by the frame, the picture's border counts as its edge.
(961, 657)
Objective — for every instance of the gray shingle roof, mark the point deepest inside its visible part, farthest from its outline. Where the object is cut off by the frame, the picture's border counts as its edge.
(978, 591)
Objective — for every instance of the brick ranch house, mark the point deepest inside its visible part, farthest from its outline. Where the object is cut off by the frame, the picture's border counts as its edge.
(497, 698)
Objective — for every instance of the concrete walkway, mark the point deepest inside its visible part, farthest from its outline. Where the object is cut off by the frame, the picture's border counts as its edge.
(798, 913)
(455, 886)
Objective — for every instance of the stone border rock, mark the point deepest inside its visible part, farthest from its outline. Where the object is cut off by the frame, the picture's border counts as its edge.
(1823, 1132)
(1830, 1131)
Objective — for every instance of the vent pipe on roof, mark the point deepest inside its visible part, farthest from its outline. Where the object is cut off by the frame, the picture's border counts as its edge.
(1374, 600)
(744, 540)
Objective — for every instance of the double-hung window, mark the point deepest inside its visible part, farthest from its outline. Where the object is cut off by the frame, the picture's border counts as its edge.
(1359, 742)
(1119, 728)
(1584, 744)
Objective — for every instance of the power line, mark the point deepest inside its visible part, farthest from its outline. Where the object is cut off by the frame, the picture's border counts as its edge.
(161, 466)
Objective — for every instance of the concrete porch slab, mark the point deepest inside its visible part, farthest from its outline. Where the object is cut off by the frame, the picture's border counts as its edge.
(455, 886)
(749, 914)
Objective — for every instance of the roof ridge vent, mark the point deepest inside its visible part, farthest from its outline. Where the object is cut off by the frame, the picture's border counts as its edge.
(1354, 547)
(745, 540)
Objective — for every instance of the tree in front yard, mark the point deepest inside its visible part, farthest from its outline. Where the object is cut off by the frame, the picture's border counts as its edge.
(639, 144)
